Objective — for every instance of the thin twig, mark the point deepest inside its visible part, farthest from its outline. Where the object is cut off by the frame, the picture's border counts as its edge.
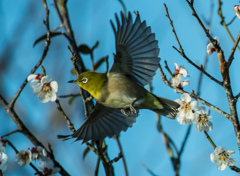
(223, 21)
(210, 140)
(213, 41)
(231, 20)
(230, 59)
(45, 51)
(122, 155)
(70, 125)
(97, 166)
(200, 68)
(208, 23)
(185, 140)
(181, 51)
(70, 95)
(116, 158)
(13, 132)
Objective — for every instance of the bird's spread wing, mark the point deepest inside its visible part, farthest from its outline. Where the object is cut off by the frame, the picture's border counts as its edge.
(102, 122)
(137, 50)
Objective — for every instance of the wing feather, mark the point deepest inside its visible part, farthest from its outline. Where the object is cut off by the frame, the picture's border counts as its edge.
(135, 42)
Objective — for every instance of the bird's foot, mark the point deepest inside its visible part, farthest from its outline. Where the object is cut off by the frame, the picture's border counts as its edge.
(130, 111)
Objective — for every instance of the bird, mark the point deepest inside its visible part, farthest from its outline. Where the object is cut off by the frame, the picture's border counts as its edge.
(120, 92)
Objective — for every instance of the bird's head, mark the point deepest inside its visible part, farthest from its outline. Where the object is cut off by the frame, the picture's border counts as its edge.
(91, 82)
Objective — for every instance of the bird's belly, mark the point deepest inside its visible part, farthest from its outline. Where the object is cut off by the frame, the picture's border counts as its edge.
(118, 99)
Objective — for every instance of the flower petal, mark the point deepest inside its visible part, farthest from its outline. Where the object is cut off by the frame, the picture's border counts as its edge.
(221, 165)
(213, 157)
(31, 77)
(54, 85)
(231, 161)
(46, 79)
(185, 97)
(230, 152)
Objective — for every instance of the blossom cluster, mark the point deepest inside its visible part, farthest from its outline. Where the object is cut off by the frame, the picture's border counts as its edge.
(46, 164)
(189, 112)
(176, 81)
(43, 87)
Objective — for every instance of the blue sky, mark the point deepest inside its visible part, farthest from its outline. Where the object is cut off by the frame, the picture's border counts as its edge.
(22, 25)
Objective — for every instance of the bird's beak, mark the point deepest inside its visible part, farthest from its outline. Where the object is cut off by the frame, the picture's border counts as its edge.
(72, 81)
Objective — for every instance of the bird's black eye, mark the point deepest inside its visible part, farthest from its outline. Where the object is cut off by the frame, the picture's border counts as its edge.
(84, 80)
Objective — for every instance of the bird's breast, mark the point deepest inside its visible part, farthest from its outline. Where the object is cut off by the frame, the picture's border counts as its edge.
(120, 92)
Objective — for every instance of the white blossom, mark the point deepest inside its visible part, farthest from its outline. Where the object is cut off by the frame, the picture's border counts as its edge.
(47, 167)
(211, 48)
(177, 81)
(221, 156)
(203, 123)
(34, 79)
(24, 157)
(237, 9)
(46, 90)
(186, 111)
(180, 70)
(3, 162)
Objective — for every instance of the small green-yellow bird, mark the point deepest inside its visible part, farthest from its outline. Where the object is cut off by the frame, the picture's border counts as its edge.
(120, 93)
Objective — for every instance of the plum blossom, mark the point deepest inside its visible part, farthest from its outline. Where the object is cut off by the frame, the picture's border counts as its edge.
(180, 70)
(187, 110)
(176, 81)
(203, 123)
(221, 156)
(34, 79)
(237, 8)
(3, 162)
(24, 157)
(211, 48)
(45, 89)
(47, 167)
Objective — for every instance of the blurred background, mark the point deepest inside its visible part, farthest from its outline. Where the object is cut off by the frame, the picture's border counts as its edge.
(22, 24)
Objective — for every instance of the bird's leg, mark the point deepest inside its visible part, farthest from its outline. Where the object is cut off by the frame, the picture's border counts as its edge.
(132, 111)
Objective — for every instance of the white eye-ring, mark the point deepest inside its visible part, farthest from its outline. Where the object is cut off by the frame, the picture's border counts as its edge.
(84, 80)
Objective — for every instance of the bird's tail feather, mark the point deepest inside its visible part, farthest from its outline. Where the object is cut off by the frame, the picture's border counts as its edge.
(170, 108)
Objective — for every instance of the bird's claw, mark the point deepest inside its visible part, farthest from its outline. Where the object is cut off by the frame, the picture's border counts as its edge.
(130, 111)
